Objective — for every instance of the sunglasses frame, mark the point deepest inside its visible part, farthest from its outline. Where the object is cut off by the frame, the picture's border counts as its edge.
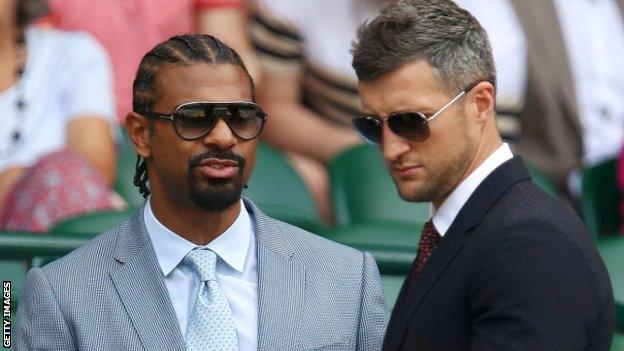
(380, 120)
(216, 105)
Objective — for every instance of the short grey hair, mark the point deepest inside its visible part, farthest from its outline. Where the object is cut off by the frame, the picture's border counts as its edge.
(448, 37)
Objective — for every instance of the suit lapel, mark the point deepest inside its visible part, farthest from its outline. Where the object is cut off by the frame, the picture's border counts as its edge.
(451, 244)
(281, 285)
(141, 287)
(545, 42)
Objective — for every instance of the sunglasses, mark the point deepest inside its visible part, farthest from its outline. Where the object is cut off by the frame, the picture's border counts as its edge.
(194, 120)
(412, 126)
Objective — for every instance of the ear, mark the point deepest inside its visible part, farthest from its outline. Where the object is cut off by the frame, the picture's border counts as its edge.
(484, 95)
(139, 132)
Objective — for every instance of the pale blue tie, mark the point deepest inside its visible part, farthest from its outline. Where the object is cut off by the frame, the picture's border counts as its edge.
(211, 326)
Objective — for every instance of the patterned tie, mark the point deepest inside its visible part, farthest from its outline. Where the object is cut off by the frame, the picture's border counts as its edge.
(211, 326)
(428, 241)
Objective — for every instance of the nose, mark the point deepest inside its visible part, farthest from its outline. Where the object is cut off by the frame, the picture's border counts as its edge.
(220, 136)
(392, 145)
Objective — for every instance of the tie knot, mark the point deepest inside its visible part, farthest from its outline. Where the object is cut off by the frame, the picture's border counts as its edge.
(430, 233)
(204, 262)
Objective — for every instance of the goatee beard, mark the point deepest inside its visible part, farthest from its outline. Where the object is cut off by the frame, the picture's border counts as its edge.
(215, 195)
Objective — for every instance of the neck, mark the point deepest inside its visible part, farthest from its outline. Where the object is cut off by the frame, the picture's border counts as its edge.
(485, 148)
(193, 223)
(7, 55)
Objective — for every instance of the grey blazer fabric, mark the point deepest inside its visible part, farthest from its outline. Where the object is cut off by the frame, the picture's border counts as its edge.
(110, 294)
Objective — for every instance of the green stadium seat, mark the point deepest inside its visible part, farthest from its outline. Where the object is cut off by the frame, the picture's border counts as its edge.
(91, 224)
(618, 342)
(277, 189)
(542, 181)
(126, 162)
(601, 199)
(15, 272)
(363, 191)
(611, 248)
(392, 236)
(391, 287)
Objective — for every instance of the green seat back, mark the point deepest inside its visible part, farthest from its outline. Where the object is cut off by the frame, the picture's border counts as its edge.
(363, 191)
(611, 249)
(91, 224)
(398, 236)
(277, 189)
(126, 162)
(15, 272)
(618, 342)
(601, 199)
(541, 180)
(391, 287)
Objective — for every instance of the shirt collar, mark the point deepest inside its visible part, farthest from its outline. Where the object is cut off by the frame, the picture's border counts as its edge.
(444, 216)
(231, 246)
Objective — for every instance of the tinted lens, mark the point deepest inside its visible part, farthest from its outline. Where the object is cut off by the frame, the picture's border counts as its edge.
(409, 125)
(369, 128)
(192, 121)
(245, 120)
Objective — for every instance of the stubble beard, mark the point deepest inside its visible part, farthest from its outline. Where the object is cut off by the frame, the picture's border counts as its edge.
(444, 179)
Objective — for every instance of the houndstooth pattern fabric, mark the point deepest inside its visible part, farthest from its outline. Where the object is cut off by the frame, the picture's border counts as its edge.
(313, 294)
(211, 326)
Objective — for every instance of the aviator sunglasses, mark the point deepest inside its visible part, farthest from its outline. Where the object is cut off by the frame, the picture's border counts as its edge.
(194, 120)
(413, 126)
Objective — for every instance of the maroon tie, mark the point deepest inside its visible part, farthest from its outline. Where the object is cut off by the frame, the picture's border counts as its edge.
(428, 241)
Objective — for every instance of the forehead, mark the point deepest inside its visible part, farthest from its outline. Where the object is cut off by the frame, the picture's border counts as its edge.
(177, 84)
(413, 86)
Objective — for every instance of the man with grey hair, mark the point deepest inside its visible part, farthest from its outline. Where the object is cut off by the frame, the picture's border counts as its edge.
(501, 265)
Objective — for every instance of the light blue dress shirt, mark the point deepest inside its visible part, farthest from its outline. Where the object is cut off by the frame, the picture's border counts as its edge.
(236, 272)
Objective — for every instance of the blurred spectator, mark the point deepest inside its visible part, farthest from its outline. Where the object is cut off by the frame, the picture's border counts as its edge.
(309, 88)
(129, 28)
(57, 156)
(620, 181)
(561, 59)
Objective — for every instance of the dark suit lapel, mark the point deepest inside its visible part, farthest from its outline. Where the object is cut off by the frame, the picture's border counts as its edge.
(545, 41)
(281, 285)
(451, 244)
(141, 287)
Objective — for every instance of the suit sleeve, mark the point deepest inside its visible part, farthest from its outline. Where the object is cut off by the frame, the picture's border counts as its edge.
(374, 312)
(539, 291)
(40, 322)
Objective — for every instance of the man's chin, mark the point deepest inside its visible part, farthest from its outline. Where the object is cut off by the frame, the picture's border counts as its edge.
(216, 198)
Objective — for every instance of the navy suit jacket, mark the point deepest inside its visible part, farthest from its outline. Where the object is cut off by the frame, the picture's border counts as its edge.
(516, 270)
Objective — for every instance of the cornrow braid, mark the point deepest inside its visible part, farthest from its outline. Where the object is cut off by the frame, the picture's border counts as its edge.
(182, 50)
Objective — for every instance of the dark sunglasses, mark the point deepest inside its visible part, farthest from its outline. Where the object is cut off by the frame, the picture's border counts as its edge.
(412, 126)
(194, 120)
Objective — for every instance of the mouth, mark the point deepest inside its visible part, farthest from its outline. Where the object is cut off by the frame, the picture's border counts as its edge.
(406, 171)
(219, 168)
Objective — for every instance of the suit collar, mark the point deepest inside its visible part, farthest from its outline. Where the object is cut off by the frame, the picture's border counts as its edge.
(488, 192)
(281, 284)
(141, 287)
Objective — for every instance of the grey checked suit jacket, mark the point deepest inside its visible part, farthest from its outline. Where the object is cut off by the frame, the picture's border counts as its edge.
(313, 294)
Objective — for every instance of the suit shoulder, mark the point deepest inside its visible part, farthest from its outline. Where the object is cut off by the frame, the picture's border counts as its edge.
(90, 258)
(321, 250)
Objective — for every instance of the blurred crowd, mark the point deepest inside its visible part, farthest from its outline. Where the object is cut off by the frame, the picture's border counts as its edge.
(66, 71)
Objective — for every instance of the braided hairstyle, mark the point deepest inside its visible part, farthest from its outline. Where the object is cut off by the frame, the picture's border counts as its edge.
(185, 49)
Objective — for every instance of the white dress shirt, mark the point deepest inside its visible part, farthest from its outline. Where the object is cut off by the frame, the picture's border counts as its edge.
(236, 272)
(594, 36)
(444, 216)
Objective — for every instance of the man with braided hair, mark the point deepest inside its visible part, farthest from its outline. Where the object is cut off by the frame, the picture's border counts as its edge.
(198, 267)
